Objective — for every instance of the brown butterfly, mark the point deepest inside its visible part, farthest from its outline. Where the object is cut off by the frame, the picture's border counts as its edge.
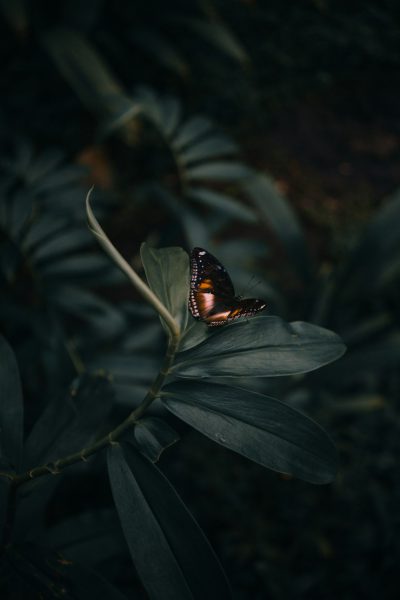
(212, 296)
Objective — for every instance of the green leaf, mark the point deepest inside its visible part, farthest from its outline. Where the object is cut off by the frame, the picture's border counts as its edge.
(106, 320)
(260, 347)
(276, 211)
(153, 436)
(220, 36)
(219, 171)
(84, 70)
(11, 407)
(167, 273)
(376, 256)
(4, 490)
(261, 428)
(226, 204)
(65, 426)
(194, 334)
(210, 147)
(71, 240)
(161, 50)
(171, 554)
(77, 267)
(190, 131)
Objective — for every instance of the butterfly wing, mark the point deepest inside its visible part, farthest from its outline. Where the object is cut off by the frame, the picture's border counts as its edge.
(216, 311)
(212, 295)
(208, 275)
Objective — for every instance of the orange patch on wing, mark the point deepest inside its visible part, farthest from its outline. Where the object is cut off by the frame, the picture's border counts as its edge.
(205, 285)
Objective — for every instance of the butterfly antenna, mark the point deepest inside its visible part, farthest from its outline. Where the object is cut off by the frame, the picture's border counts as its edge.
(248, 287)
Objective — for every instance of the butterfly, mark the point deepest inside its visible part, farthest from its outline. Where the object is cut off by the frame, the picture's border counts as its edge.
(212, 296)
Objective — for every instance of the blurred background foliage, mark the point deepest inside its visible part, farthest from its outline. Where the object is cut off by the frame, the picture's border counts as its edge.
(269, 133)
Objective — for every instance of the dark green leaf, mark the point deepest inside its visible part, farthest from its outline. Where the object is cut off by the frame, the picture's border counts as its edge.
(375, 259)
(195, 332)
(132, 367)
(105, 319)
(167, 272)
(77, 267)
(4, 489)
(66, 425)
(260, 347)
(219, 171)
(153, 436)
(171, 554)
(45, 227)
(161, 50)
(261, 428)
(276, 211)
(226, 204)
(220, 36)
(11, 407)
(71, 240)
(84, 69)
(190, 131)
(210, 147)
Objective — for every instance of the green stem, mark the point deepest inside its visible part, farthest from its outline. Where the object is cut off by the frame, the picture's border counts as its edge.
(57, 466)
(110, 438)
(139, 284)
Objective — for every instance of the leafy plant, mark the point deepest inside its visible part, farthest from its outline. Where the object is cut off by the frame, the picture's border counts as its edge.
(155, 522)
(49, 268)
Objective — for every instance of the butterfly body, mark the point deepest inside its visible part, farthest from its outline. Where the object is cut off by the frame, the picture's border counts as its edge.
(212, 296)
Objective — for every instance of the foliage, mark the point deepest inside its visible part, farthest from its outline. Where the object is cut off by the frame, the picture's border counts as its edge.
(154, 521)
(153, 97)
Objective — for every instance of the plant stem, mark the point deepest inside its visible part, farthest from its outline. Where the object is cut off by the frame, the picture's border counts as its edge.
(110, 438)
(139, 284)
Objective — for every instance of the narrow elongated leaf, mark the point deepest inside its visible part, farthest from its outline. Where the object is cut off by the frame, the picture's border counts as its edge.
(87, 265)
(218, 34)
(171, 115)
(377, 252)
(161, 50)
(11, 407)
(45, 227)
(105, 319)
(4, 489)
(190, 131)
(257, 426)
(210, 147)
(84, 69)
(167, 272)
(226, 204)
(65, 426)
(153, 436)
(171, 554)
(66, 242)
(260, 347)
(276, 211)
(219, 171)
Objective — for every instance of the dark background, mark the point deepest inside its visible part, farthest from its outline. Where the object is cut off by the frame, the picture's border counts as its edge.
(309, 91)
